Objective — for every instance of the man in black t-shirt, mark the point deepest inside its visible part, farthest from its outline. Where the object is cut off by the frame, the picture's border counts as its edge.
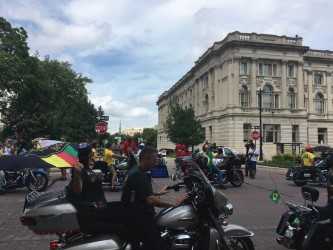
(138, 193)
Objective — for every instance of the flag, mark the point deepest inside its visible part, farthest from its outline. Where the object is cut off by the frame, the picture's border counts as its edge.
(275, 196)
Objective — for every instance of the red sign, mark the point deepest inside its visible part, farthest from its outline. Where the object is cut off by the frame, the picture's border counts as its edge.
(101, 127)
(255, 135)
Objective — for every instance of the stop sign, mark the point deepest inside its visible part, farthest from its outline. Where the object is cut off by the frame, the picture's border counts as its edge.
(255, 135)
(101, 127)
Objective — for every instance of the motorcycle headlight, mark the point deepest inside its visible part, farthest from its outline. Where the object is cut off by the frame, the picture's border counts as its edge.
(229, 209)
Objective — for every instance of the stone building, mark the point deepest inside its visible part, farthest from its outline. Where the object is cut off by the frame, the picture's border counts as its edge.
(132, 131)
(223, 86)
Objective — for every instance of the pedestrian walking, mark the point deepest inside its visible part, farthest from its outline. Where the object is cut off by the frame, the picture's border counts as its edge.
(251, 159)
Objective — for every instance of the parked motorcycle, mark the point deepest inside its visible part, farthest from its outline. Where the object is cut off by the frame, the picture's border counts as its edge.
(302, 226)
(315, 175)
(34, 180)
(198, 223)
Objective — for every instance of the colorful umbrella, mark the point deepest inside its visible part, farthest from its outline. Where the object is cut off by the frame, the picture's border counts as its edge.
(59, 156)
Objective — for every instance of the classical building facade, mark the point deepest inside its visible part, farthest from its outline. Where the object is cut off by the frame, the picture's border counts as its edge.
(223, 86)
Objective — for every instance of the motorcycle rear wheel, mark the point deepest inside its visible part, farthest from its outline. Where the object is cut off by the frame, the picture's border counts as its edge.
(237, 178)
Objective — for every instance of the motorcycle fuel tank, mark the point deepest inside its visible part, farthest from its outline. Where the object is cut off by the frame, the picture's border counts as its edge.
(178, 218)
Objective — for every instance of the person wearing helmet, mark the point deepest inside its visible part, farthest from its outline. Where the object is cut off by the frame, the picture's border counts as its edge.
(308, 157)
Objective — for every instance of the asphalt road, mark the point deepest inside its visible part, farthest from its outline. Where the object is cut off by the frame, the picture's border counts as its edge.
(252, 209)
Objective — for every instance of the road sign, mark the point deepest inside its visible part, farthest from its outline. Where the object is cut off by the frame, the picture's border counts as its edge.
(104, 118)
(255, 135)
(101, 127)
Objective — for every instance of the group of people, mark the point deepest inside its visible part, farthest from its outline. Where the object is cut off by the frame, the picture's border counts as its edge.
(12, 147)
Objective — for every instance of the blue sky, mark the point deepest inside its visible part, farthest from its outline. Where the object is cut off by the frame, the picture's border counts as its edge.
(134, 50)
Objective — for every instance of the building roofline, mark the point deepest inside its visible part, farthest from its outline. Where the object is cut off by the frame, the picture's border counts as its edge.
(237, 38)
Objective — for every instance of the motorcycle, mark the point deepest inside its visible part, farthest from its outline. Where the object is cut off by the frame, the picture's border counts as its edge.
(315, 175)
(34, 180)
(225, 172)
(121, 170)
(301, 225)
(200, 222)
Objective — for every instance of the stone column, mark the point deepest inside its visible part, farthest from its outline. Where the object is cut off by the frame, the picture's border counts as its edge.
(329, 92)
(284, 97)
(310, 82)
(235, 82)
(253, 83)
(300, 86)
(306, 82)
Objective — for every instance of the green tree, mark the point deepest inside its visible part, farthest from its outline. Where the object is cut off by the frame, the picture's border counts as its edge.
(182, 127)
(41, 97)
(149, 135)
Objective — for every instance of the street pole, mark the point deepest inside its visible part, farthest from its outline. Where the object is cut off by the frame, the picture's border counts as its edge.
(260, 124)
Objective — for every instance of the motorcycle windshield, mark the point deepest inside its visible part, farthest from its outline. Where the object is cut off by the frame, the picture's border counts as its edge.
(219, 200)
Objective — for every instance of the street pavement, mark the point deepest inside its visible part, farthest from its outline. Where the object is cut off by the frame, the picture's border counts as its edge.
(252, 209)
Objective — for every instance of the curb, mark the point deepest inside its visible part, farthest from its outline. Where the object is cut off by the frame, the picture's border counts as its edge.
(268, 167)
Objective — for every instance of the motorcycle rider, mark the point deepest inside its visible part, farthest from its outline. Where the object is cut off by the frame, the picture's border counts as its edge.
(109, 159)
(85, 184)
(308, 157)
(138, 193)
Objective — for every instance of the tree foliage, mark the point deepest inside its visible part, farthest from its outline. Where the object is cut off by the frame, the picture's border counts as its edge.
(41, 97)
(182, 127)
(149, 135)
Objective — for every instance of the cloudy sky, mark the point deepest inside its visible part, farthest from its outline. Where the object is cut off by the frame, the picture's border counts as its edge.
(134, 50)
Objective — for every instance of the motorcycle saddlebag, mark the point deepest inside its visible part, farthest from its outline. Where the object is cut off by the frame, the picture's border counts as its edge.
(49, 213)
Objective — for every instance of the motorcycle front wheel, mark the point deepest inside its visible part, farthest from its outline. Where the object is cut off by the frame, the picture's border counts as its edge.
(242, 244)
(38, 182)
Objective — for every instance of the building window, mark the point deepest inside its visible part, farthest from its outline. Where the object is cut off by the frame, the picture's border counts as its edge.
(246, 131)
(260, 69)
(267, 69)
(276, 101)
(275, 73)
(243, 68)
(322, 135)
(291, 99)
(291, 70)
(319, 103)
(318, 79)
(272, 133)
(295, 133)
(244, 97)
(267, 97)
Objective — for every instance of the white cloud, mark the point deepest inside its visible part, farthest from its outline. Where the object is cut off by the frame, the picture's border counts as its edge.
(160, 38)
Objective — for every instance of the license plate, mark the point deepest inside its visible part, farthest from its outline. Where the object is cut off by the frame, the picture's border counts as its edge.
(307, 175)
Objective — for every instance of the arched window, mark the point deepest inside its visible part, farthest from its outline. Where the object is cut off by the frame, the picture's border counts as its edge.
(267, 97)
(319, 103)
(291, 99)
(244, 97)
